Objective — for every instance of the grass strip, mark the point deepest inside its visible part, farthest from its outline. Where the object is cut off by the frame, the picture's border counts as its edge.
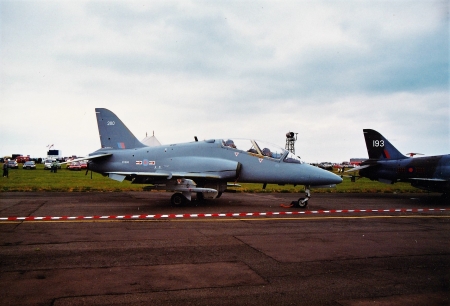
(77, 181)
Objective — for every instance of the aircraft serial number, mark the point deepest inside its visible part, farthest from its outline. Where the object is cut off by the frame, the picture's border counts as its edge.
(111, 123)
(378, 143)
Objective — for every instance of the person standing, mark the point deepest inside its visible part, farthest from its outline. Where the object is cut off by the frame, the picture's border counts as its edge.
(5, 168)
(54, 166)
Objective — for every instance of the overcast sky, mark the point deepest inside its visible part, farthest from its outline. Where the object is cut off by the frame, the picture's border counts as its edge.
(224, 69)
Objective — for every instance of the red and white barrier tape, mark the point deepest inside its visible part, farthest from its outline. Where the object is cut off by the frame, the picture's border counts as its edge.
(222, 215)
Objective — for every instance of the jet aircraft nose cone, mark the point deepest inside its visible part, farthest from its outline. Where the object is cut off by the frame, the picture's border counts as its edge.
(324, 177)
(335, 178)
(330, 178)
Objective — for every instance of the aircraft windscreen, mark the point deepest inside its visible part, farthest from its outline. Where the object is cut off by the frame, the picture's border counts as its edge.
(260, 148)
(291, 158)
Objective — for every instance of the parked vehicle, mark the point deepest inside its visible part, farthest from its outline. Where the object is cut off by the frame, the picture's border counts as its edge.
(326, 166)
(83, 164)
(13, 164)
(22, 159)
(74, 166)
(48, 164)
(30, 165)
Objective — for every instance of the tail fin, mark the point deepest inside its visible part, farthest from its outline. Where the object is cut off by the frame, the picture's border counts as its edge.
(379, 147)
(113, 133)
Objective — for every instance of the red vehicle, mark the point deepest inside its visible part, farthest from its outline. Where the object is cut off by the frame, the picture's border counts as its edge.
(74, 166)
(21, 159)
(83, 164)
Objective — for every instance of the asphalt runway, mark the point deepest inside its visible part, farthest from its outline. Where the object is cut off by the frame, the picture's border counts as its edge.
(324, 257)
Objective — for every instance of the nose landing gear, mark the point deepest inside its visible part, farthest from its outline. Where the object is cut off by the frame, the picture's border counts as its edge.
(302, 202)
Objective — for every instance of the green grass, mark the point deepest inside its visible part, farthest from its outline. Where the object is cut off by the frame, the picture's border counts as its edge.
(362, 185)
(77, 181)
(62, 180)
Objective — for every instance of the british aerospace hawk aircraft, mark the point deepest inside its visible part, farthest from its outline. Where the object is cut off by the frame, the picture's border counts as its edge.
(386, 164)
(211, 163)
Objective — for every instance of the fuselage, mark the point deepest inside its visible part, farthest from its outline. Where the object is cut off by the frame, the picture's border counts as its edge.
(218, 159)
(421, 172)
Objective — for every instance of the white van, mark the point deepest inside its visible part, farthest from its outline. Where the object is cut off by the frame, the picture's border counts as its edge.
(48, 164)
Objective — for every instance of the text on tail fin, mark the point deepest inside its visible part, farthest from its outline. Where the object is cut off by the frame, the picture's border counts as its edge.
(378, 147)
(113, 132)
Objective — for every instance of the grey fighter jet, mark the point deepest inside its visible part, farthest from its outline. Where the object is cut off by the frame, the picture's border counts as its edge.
(211, 163)
(386, 164)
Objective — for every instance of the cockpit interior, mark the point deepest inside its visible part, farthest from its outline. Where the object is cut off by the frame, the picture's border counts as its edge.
(261, 148)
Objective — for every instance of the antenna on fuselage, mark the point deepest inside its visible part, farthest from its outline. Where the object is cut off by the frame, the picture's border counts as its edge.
(291, 137)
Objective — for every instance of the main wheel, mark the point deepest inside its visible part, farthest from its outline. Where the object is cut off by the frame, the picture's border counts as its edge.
(200, 196)
(178, 199)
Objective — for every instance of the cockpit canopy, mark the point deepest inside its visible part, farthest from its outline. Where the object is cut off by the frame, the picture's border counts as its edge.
(261, 148)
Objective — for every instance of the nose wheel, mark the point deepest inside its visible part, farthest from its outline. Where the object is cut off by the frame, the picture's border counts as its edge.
(302, 202)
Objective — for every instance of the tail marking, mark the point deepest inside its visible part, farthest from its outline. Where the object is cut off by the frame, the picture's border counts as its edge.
(378, 147)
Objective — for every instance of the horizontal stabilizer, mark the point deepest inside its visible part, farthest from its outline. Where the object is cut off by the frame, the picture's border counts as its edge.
(87, 158)
(358, 168)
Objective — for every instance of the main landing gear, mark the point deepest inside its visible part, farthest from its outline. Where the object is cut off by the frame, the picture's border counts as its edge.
(178, 199)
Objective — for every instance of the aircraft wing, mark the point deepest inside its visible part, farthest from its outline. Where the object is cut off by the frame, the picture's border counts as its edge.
(120, 176)
(431, 184)
(428, 179)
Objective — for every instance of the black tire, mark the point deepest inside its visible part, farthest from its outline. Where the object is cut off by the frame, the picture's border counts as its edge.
(178, 199)
(200, 196)
(302, 204)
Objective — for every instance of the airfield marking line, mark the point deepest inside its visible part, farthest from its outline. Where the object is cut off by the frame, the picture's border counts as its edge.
(232, 219)
(306, 219)
(198, 216)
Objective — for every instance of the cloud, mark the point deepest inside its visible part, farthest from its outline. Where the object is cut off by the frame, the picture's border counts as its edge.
(227, 68)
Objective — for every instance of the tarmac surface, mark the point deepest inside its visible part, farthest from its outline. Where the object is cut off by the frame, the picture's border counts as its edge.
(318, 258)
